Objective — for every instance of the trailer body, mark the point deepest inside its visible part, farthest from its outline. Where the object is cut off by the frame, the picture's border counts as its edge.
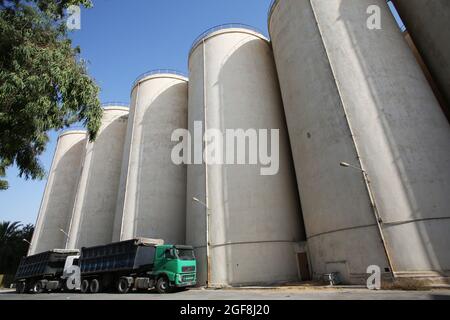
(43, 271)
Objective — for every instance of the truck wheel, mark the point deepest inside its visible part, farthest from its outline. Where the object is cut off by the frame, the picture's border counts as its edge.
(84, 286)
(38, 287)
(122, 285)
(64, 287)
(163, 285)
(95, 286)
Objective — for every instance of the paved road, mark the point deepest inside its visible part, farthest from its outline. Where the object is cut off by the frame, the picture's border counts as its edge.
(245, 294)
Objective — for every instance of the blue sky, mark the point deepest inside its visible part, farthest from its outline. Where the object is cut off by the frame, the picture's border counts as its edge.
(121, 40)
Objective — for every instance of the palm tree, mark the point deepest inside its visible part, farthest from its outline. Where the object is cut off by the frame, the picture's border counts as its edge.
(12, 246)
(3, 183)
(8, 231)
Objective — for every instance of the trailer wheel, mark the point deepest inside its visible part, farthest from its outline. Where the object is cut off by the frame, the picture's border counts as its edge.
(163, 285)
(122, 285)
(84, 286)
(38, 287)
(95, 286)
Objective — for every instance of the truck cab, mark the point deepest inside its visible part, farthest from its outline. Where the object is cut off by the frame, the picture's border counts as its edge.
(174, 267)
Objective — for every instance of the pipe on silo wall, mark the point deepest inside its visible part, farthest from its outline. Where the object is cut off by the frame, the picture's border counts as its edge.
(59, 195)
(250, 223)
(152, 196)
(93, 214)
(357, 95)
(428, 23)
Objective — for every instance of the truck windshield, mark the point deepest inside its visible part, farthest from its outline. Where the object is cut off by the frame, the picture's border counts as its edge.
(184, 254)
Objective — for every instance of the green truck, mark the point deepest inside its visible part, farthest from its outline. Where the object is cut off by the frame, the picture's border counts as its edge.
(140, 264)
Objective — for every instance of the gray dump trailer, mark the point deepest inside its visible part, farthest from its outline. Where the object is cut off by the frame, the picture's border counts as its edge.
(44, 271)
(116, 265)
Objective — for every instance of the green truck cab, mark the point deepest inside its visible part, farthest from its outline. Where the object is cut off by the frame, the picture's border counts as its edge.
(177, 263)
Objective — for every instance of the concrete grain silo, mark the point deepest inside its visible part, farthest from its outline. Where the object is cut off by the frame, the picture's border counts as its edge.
(152, 196)
(356, 95)
(59, 195)
(252, 222)
(93, 214)
(428, 22)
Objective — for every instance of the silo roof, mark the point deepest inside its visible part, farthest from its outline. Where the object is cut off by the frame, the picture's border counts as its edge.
(160, 73)
(224, 28)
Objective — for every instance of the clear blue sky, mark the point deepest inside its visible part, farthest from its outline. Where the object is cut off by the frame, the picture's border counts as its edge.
(121, 40)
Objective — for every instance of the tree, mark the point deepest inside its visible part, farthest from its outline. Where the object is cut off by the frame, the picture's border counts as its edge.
(9, 233)
(44, 85)
(12, 244)
(3, 183)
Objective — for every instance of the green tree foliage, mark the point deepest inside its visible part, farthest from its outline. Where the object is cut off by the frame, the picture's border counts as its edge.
(44, 85)
(3, 183)
(12, 245)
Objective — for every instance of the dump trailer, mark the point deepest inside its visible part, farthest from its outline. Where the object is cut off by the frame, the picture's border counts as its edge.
(45, 271)
(139, 264)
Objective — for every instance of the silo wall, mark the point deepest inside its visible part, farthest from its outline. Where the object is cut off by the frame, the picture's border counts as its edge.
(254, 220)
(59, 195)
(428, 22)
(93, 214)
(357, 95)
(152, 194)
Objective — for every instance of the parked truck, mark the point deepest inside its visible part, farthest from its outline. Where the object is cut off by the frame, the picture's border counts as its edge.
(139, 264)
(44, 271)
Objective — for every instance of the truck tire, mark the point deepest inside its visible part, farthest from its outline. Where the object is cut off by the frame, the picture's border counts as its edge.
(163, 285)
(64, 287)
(122, 286)
(95, 286)
(84, 286)
(38, 287)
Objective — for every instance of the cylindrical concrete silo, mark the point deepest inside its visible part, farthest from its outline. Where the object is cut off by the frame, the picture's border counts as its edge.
(93, 214)
(59, 195)
(428, 22)
(357, 95)
(152, 196)
(251, 221)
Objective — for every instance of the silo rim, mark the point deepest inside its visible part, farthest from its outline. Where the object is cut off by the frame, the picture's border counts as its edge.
(160, 73)
(112, 107)
(272, 7)
(115, 104)
(71, 131)
(225, 28)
